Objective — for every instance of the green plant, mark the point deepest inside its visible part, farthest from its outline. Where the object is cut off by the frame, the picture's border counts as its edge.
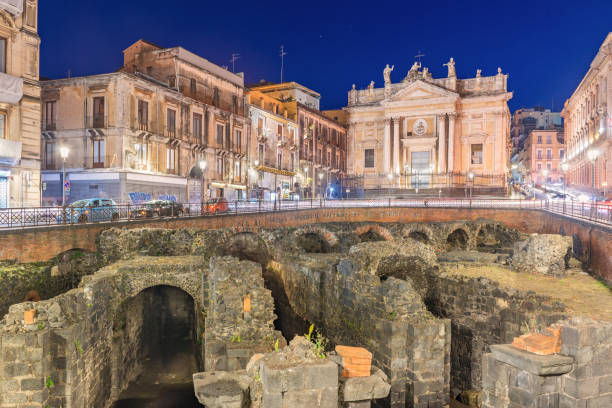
(319, 341)
(78, 347)
(236, 338)
(392, 315)
(40, 325)
(276, 345)
(49, 382)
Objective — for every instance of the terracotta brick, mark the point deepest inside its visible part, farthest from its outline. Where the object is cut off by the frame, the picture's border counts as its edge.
(358, 352)
(540, 344)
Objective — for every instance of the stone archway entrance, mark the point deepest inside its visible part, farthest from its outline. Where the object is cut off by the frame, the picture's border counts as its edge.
(155, 343)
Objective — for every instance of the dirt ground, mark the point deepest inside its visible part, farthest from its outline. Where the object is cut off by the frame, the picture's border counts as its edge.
(580, 292)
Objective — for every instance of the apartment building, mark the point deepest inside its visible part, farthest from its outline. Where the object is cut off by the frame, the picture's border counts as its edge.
(141, 133)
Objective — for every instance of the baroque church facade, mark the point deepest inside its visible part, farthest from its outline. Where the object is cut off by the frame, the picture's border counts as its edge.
(426, 132)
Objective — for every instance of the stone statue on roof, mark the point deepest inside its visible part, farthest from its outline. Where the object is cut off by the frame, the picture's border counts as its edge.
(451, 68)
(387, 73)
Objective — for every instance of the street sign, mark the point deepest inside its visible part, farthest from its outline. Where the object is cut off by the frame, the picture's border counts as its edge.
(67, 185)
(44, 186)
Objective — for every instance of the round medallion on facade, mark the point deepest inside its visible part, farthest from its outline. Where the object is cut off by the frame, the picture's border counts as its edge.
(420, 127)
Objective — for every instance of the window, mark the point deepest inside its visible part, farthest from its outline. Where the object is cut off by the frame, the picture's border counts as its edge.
(329, 158)
(260, 154)
(3, 55)
(50, 155)
(540, 139)
(369, 158)
(539, 166)
(98, 153)
(260, 126)
(141, 151)
(237, 169)
(279, 161)
(549, 166)
(548, 139)
(235, 103)
(292, 162)
(539, 153)
(220, 134)
(238, 139)
(561, 154)
(549, 154)
(197, 126)
(220, 166)
(98, 112)
(216, 97)
(143, 115)
(292, 135)
(50, 115)
(171, 82)
(193, 87)
(279, 131)
(477, 153)
(3, 133)
(170, 159)
(171, 122)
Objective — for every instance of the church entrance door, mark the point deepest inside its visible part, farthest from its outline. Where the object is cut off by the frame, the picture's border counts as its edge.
(420, 170)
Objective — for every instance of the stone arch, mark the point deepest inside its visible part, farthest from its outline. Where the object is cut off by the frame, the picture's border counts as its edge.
(419, 232)
(246, 246)
(458, 239)
(373, 232)
(316, 240)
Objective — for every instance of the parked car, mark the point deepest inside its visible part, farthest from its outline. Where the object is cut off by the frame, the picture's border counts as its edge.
(90, 210)
(158, 208)
(216, 205)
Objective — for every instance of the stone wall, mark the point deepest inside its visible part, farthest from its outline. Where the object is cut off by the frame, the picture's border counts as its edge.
(79, 339)
(48, 279)
(483, 313)
(581, 376)
(240, 315)
(40, 244)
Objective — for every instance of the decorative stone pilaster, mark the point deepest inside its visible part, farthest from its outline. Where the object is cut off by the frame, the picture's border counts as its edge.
(396, 146)
(451, 141)
(387, 146)
(441, 143)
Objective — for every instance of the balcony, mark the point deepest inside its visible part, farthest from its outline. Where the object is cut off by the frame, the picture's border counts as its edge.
(97, 122)
(11, 88)
(15, 7)
(10, 152)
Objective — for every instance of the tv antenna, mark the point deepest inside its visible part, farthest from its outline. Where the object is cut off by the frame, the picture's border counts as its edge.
(235, 56)
(282, 55)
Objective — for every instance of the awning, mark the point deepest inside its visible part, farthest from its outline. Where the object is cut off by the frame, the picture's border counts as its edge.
(11, 88)
(216, 184)
(275, 171)
(15, 7)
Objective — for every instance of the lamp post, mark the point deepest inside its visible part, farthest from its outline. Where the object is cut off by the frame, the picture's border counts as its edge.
(604, 185)
(320, 186)
(545, 175)
(471, 177)
(64, 151)
(564, 167)
(203, 165)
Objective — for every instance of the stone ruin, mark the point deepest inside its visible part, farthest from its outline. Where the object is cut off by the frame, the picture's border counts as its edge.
(382, 287)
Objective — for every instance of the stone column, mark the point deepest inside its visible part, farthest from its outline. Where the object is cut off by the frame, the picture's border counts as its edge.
(387, 146)
(396, 139)
(441, 143)
(451, 141)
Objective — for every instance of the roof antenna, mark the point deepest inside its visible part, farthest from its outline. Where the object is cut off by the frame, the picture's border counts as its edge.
(235, 57)
(419, 55)
(282, 55)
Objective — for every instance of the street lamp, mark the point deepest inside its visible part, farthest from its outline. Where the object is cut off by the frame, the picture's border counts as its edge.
(545, 175)
(471, 177)
(203, 165)
(320, 186)
(564, 167)
(592, 155)
(64, 151)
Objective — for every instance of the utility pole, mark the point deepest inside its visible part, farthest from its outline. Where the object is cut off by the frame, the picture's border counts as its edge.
(282, 55)
(235, 57)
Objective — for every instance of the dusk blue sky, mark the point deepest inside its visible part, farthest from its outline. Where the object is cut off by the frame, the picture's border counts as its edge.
(545, 46)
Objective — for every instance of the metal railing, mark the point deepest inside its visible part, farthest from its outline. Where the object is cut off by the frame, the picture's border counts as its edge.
(47, 216)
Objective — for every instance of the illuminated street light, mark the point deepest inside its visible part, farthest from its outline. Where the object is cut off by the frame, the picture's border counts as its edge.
(64, 151)
(203, 165)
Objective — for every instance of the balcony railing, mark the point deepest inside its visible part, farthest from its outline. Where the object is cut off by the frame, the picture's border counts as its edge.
(97, 122)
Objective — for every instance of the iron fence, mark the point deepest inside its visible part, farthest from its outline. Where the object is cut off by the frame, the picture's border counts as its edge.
(46, 216)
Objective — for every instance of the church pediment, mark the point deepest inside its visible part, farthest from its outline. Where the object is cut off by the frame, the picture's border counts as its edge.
(420, 90)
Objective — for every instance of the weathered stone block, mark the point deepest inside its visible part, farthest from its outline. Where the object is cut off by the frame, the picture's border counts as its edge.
(539, 365)
(580, 389)
(304, 398)
(32, 384)
(272, 400)
(321, 375)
